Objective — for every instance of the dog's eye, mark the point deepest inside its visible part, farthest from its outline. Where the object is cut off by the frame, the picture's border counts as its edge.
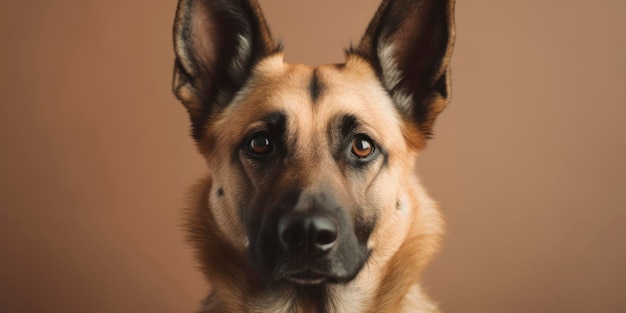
(260, 144)
(362, 147)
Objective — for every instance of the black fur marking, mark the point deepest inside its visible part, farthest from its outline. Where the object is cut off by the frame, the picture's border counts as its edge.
(340, 133)
(363, 227)
(349, 124)
(220, 192)
(315, 86)
(276, 118)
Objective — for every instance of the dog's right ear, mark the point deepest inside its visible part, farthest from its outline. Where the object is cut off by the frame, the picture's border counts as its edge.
(217, 43)
(409, 44)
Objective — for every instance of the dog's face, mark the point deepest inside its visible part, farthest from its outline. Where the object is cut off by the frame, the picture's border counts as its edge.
(310, 165)
(304, 166)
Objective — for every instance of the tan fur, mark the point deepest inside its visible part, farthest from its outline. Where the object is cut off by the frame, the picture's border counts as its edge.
(231, 75)
(404, 239)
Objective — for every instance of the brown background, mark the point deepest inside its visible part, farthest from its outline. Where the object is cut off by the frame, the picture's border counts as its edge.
(528, 161)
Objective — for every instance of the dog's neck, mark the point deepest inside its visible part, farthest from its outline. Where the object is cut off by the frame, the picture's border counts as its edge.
(348, 298)
(312, 299)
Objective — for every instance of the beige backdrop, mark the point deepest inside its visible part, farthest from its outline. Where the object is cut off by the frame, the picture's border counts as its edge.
(528, 161)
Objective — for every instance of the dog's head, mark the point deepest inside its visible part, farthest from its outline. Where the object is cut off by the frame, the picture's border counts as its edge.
(311, 167)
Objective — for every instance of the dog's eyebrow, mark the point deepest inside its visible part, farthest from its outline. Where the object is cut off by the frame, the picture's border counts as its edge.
(275, 118)
(347, 124)
(341, 126)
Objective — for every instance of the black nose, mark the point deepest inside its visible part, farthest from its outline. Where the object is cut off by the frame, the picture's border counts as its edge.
(308, 233)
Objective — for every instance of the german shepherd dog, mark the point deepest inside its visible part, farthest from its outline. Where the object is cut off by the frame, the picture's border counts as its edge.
(311, 203)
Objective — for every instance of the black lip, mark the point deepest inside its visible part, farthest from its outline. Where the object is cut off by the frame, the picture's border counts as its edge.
(309, 275)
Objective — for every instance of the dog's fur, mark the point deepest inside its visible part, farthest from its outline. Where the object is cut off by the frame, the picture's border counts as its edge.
(384, 229)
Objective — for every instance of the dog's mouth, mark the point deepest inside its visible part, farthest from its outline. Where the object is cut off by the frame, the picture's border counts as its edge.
(308, 277)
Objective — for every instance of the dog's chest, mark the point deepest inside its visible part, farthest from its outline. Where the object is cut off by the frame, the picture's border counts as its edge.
(340, 299)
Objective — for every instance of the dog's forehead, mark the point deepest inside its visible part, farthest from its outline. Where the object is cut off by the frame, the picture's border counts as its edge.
(312, 98)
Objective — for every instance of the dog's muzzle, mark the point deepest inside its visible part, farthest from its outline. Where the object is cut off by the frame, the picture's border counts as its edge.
(310, 242)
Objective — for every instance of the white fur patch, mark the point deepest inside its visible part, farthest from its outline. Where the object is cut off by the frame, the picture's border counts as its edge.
(392, 76)
(238, 65)
(404, 205)
(404, 101)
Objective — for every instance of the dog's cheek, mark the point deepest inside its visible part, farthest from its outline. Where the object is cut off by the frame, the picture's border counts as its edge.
(226, 207)
(393, 215)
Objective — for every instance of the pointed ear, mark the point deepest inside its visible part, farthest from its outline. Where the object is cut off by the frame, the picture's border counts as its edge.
(217, 43)
(409, 44)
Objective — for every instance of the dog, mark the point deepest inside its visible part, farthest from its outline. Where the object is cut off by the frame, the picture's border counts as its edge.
(311, 203)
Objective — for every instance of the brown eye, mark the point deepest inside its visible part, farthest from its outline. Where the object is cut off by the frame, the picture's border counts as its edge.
(362, 147)
(260, 145)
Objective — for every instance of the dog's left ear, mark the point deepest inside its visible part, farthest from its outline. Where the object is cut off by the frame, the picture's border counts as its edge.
(409, 44)
(217, 43)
